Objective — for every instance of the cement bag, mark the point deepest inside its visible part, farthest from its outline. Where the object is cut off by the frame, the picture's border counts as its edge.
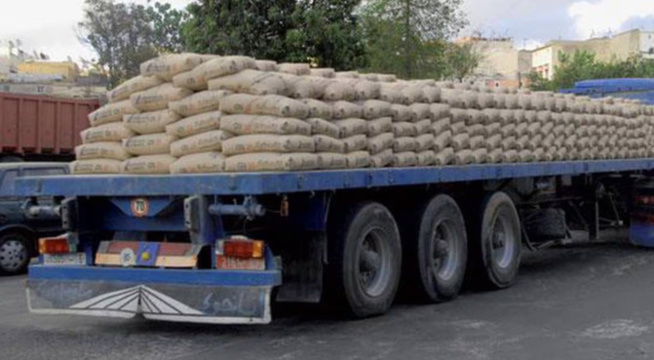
(425, 142)
(344, 110)
(328, 144)
(153, 144)
(510, 156)
(150, 122)
(460, 142)
(365, 90)
(373, 109)
(494, 156)
(524, 102)
(369, 77)
(491, 116)
(199, 103)
(423, 127)
(404, 144)
(476, 117)
(492, 129)
(469, 99)
(476, 130)
(355, 143)
(274, 105)
(441, 126)
(509, 143)
(133, 85)
(106, 133)
(526, 156)
(202, 163)
(95, 166)
(380, 126)
(511, 101)
(523, 142)
(261, 124)
(192, 80)
(319, 109)
(386, 78)
(323, 127)
(442, 141)
(266, 65)
(347, 74)
(204, 142)
(401, 112)
(157, 98)
(337, 91)
(294, 69)
(431, 94)
(148, 165)
(426, 158)
(402, 129)
(351, 127)
(404, 159)
(544, 116)
(420, 111)
(331, 161)
(224, 66)
(439, 111)
(380, 143)
(195, 124)
(477, 142)
(500, 100)
(358, 160)
(533, 129)
(268, 143)
(460, 115)
(101, 150)
(271, 162)
(323, 72)
(304, 87)
(382, 159)
(391, 96)
(493, 142)
(458, 128)
(250, 81)
(463, 157)
(480, 156)
(444, 157)
(112, 113)
(167, 66)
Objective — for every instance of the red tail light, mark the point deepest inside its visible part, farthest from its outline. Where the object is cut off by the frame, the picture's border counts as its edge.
(241, 248)
(53, 246)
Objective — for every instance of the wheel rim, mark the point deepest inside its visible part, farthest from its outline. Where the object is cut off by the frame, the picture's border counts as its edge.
(374, 263)
(12, 255)
(503, 242)
(446, 248)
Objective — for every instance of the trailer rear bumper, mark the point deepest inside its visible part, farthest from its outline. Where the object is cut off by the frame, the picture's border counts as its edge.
(199, 296)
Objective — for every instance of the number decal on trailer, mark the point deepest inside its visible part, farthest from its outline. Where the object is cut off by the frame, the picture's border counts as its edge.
(140, 207)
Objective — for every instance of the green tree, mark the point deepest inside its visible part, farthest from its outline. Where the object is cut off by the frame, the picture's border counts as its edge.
(321, 31)
(125, 35)
(408, 37)
(460, 61)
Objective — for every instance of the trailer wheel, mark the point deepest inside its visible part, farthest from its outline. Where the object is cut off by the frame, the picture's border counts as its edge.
(496, 245)
(365, 259)
(436, 251)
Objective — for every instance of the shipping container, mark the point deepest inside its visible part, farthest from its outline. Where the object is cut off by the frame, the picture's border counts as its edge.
(41, 127)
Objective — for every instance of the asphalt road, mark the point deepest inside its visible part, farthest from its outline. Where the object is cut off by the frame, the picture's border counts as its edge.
(582, 302)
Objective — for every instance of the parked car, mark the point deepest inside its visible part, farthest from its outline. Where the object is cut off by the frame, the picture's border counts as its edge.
(18, 232)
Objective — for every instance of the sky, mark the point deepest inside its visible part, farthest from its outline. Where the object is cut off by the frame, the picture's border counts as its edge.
(530, 22)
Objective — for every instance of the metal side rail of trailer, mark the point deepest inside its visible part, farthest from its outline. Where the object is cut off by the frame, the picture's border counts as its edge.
(151, 245)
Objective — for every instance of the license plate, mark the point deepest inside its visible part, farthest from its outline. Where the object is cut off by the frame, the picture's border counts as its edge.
(64, 259)
(232, 263)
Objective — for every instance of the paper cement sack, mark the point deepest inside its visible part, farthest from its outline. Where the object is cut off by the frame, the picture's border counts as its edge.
(355, 143)
(195, 124)
(358, 159)
(373, 109)
(148, 164)
(331, 161)
(157, 98)
(380, 143)
(112, 112)
(96, 166)
(152, 144)
(382, 159)
(345, 109)
(274, 105)
(261, 124)
(207, 162)
(404, 159)
(106, 133)
(271, 162)
(101, 150)
(351, 127)
(266, 65)
(131, 86)
(204, 142)
(323, 127)
(198, 103)
(192, 80)
(167, 66)
(250, 81)
(319, 109)
(268, 143)
(328, 145)
(380, 126)
(150, 122)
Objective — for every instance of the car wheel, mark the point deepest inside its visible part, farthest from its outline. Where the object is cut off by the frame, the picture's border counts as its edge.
(14, 253)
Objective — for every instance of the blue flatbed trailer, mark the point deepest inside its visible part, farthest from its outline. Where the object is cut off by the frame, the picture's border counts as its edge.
(308, 221)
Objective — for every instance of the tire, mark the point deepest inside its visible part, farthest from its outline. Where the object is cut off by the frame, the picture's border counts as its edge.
(365, 260)
(15, 249)
(495, 243)
(436, 251)
(11, 159)
(546, 225)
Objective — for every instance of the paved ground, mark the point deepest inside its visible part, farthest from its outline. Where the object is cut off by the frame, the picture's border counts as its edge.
(583, 302)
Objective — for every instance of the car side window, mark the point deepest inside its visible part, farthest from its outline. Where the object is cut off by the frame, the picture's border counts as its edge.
(8, 183)
(43, 172)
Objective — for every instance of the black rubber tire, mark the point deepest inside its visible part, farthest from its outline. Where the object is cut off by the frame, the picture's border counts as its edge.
(419, 278)
(11, 159)
(346, 234)
(545, 225)
(485, 270)
(26, 242)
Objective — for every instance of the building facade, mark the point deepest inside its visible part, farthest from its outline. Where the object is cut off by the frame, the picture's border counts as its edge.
(500, 62)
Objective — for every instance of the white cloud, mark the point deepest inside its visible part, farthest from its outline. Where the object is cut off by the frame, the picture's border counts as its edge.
(49, 26)
(600, 17)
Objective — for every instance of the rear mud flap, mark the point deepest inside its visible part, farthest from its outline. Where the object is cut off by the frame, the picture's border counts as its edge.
(167, 302)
